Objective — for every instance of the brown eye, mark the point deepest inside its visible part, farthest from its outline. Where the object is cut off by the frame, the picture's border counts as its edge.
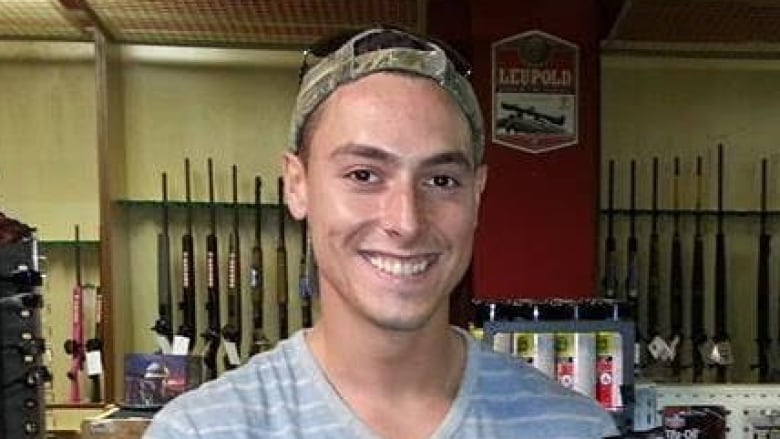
(443, 181)
(362, 176)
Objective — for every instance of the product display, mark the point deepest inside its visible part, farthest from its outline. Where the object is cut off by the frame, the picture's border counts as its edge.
(22, 372)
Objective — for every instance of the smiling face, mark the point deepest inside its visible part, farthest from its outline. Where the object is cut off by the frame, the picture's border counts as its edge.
(391, 195)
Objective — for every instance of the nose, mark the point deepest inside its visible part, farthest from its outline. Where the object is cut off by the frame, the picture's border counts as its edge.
(402, 214)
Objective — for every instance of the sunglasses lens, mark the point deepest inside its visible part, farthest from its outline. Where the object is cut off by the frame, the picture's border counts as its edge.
(385, 38)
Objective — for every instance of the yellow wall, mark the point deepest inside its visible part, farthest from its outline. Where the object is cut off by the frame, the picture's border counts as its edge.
(48, 175)
(668, 107)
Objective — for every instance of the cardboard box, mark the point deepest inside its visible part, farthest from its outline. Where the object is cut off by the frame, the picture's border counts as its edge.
(132, 428)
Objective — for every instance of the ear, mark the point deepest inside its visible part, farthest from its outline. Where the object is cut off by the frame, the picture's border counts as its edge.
(481, 181)
(295, 186)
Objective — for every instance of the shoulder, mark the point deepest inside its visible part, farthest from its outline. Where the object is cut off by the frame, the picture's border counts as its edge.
(509, 391)
(262, 395)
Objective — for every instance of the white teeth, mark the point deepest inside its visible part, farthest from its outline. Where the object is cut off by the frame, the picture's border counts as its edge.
(398, 267)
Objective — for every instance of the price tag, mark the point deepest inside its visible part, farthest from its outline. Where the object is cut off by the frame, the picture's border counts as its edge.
(232, 353)
(707, 352)
(722, 353)
(671, 352)
(658, 348)
(181, 345)
(94, 363)
(164, 345)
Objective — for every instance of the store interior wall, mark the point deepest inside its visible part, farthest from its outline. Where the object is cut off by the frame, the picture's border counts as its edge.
(238, 114)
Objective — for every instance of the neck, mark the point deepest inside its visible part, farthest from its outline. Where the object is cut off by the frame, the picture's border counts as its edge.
(427, 361)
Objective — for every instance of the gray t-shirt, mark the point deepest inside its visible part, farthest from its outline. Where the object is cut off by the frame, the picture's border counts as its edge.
(283, 393)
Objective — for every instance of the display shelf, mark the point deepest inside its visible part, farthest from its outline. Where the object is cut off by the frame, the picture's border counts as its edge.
(57, 243)
(626, 329)
(156, 204)
(749, 406)
(691, 212)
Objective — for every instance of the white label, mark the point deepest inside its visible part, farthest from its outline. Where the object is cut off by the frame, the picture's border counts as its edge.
(722, 353)
(94, 363)
(181, 345)
(658, 348)
(164, 344)
(672, 348)
(707, 351)
(232, 353)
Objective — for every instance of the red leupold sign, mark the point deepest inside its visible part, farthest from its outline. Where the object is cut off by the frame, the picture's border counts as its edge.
(535, 92)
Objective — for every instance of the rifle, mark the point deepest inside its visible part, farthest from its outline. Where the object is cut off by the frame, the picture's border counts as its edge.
(281, 265)
(164, 324)
(231, 332)
(75, 345)
(536, 115)
(698, 333)
(94, 348)
(632, 272)
(188, 328)
(656, 345)
(211, 336)
(676, 279)
(722, 352)
(763, 337)
(260, 342)
(304, 287)
(610, 281)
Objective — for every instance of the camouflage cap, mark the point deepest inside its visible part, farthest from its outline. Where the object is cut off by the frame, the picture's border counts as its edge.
(345, 65)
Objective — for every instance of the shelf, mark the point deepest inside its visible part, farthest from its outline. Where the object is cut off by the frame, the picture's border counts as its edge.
(690, 212)
(67, 243)
(174, 204)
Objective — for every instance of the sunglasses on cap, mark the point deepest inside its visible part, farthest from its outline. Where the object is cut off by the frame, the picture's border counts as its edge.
(373, 39)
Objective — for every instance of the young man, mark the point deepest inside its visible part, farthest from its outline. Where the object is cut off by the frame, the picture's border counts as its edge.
(386, 166)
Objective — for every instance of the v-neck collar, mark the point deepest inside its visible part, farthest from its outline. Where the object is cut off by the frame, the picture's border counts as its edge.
(348, 417)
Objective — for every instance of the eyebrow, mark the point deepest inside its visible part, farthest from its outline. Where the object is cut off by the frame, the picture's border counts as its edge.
(458, 158)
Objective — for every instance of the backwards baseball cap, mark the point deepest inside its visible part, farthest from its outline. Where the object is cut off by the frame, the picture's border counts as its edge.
(349, 57)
